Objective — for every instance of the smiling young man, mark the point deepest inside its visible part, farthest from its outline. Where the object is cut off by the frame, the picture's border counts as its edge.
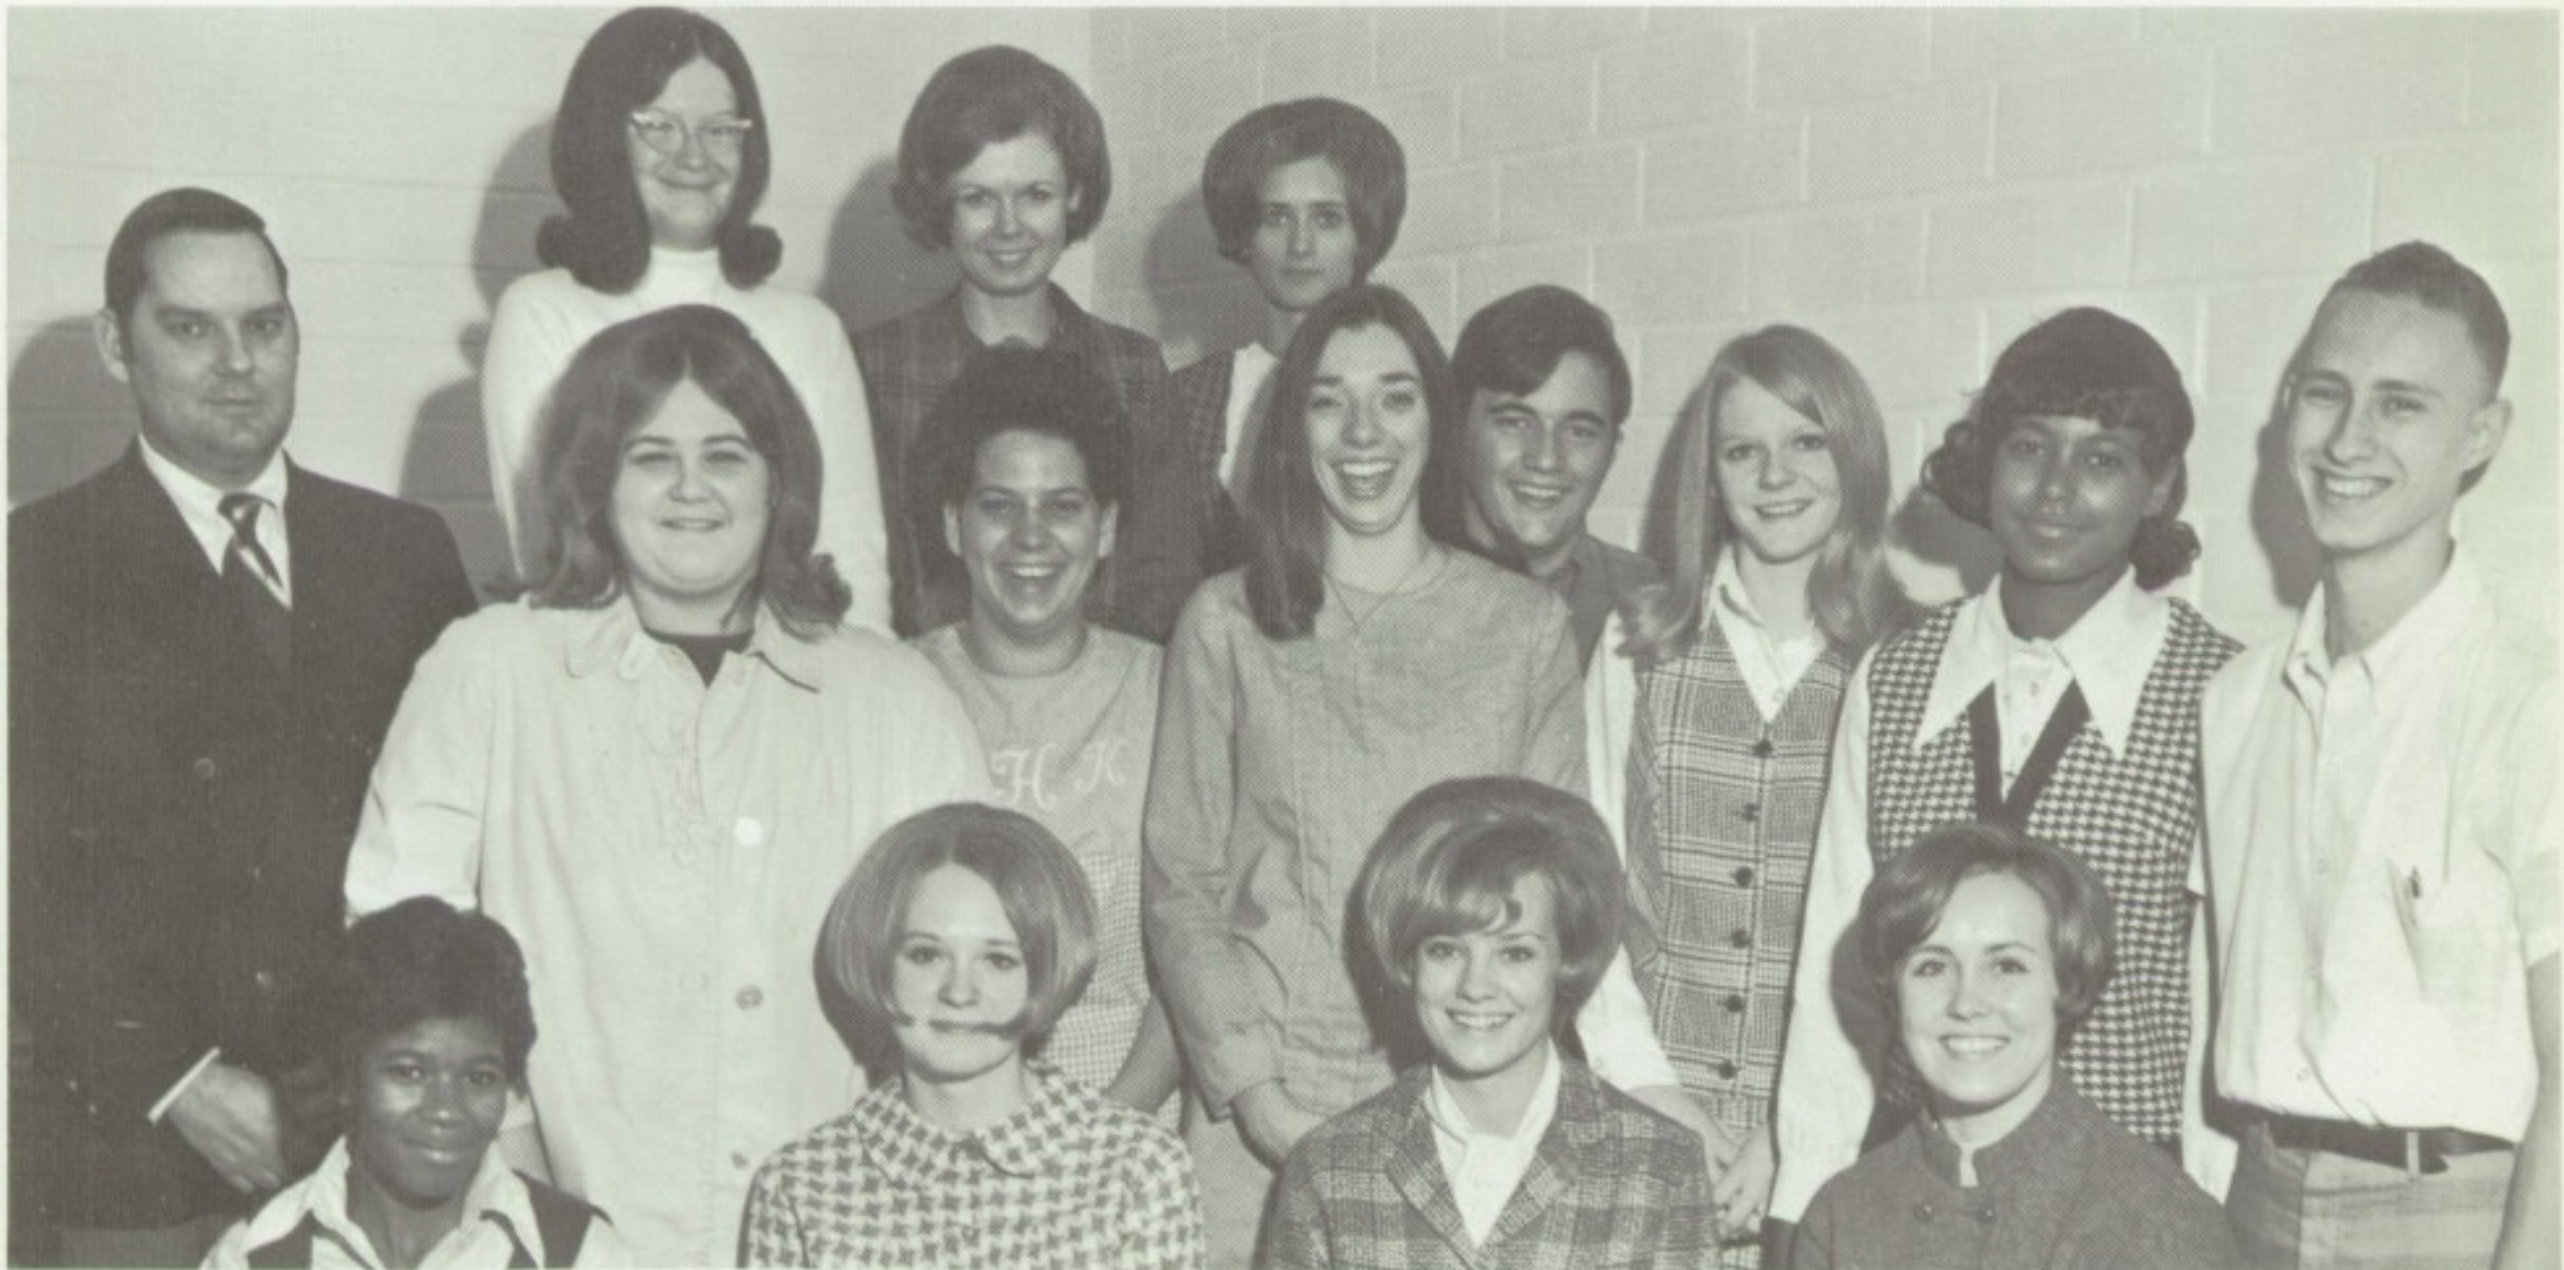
(1545, 390)
(2381, 835)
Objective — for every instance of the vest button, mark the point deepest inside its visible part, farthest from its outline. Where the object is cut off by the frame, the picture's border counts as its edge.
(1763, 748)
(1735, 1003)
(1749, 813)
(1744, 875)
(1726, 1070)
(206, 769)
(1740, 938)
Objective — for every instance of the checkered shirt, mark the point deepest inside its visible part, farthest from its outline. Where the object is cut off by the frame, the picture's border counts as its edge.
(1072, 1182)
(1613, 1185)
(907, 364)
(1722, 825)
(2132, 817)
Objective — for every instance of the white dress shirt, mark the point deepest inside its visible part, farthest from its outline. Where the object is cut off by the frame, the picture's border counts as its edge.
(201, 505)
(1485, 1168)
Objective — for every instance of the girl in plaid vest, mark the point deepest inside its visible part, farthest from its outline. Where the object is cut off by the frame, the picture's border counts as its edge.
(1713, 725)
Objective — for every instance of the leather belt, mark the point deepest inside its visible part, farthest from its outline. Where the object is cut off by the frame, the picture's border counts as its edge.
(2427, 1150)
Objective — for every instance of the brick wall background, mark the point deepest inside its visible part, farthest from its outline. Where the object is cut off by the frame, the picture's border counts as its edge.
(1916, 185)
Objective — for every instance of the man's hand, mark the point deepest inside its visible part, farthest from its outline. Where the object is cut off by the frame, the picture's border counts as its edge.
(229, 1115)
(1272, 1122)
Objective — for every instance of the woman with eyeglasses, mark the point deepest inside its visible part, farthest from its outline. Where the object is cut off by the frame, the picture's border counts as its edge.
(661, 153)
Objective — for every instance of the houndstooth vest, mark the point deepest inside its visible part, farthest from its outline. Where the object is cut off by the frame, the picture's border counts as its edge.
(2133, 818)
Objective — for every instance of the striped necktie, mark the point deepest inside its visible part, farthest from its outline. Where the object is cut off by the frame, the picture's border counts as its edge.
(250, 574)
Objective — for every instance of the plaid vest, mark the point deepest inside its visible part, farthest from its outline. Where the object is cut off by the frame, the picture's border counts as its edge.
(1722, 824)
(2133, 818)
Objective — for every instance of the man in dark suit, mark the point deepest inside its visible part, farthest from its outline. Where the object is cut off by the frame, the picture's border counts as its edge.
(206, 644)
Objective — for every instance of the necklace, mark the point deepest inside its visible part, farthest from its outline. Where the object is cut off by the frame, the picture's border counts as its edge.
(1357, 616)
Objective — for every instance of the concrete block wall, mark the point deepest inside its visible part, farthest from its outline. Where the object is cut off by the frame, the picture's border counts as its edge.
(1917, 185)
(401, 159)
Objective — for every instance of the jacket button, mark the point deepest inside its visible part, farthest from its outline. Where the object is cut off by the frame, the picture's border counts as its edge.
(1923, 1210)
(265, 979)
(206, 769)
(1986, 1214)
(1744, 875)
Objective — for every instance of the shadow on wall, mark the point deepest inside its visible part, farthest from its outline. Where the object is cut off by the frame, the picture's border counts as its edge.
(873, 272)
(1198, 302)
(2279, 518)
(67, 416)
(447, 466)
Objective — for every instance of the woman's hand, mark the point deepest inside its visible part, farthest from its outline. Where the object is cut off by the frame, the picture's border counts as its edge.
(1740, 1195)
(1272, 1122)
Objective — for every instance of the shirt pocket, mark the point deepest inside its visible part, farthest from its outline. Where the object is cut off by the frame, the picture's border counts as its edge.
(2455, 928)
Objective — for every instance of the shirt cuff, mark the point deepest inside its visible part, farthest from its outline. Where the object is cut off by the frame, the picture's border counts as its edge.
(161, 1108)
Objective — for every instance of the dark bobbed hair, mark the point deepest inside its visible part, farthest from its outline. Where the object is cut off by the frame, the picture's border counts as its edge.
(616, 384)
(1286, 516)
(1910, 892)
(604, 241)
(2424, 273)
(1365, 153)
(1037, 881)
(185, 210)
(419, 960)
(1448, 864)
(1852, 594)
(1515, 344)
(1048, 392)
(2084, 363)
(983, 97)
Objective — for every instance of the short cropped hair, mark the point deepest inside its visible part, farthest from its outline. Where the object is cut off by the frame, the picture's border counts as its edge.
(1286, 514)
(2430, 276)
(616, 384)
(605, 240)
(1048, 392)
(2084, 363)
(1906, 899)
(983, 97)
(186, 210)
(1365, 153)
(1515, 344)
(1448, 864)
(419, 960)
(1037, 881)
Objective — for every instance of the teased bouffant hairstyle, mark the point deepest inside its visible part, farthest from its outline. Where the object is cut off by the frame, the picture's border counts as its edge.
(983, 97)
(1853, 596)
(2084, 363)
(617, 383)
(1048, 392)
(1365, 153)
(604, 241)
(1911, 891)
(187, 210)
(2422, 272)
(1037, 881)
(1286, 515)
(1448, 864)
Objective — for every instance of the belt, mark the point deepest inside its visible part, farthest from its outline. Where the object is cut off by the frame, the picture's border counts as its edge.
(2424, 1150)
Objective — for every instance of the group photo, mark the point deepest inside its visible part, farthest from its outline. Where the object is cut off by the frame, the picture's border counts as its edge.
(1487, 637)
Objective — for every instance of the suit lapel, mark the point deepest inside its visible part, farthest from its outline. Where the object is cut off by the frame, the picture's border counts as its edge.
(1415, 1169)
(165, 580)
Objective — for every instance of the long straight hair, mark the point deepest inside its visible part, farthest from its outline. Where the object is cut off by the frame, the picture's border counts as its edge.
(1286, 516)
(1850, 592)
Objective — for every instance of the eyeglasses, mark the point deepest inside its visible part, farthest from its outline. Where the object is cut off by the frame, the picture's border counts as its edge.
(722, 139)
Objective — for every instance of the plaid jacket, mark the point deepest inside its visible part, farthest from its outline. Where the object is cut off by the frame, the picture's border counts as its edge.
(1180, 526)
(1613, 1185)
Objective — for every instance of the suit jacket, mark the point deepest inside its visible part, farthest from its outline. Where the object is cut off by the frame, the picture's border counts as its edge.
(180, 811)
(1611, 1185)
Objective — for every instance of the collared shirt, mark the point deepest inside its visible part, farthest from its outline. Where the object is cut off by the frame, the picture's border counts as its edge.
(1770, 664)
(1071, 1181)
(2381, 838)
(1250, 374)
(665, 850)
(1482, 1167)
(1826, 1093)
(498, 1219)
(200, 505)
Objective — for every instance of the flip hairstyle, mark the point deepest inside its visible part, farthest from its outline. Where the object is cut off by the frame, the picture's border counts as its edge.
(1365, 153)
(977, 100)
(1909, 894)
(1448, 864)
(1854, 598)
(604, 241)
(2084, 363)
(1286, 516)
(419, 960)
(1037, 881)
(616, 384)
(2424, 273)
(186, 210)
(1047, 392)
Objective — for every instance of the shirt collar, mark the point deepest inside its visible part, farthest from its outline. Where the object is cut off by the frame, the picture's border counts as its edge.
(909, 1150)
(1451, 1122)
(616, 639)
(200, 502)
(2109, 653)
(2410, 653)
(321, 1199)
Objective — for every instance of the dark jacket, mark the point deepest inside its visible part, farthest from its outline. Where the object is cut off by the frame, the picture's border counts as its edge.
(179, 810)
